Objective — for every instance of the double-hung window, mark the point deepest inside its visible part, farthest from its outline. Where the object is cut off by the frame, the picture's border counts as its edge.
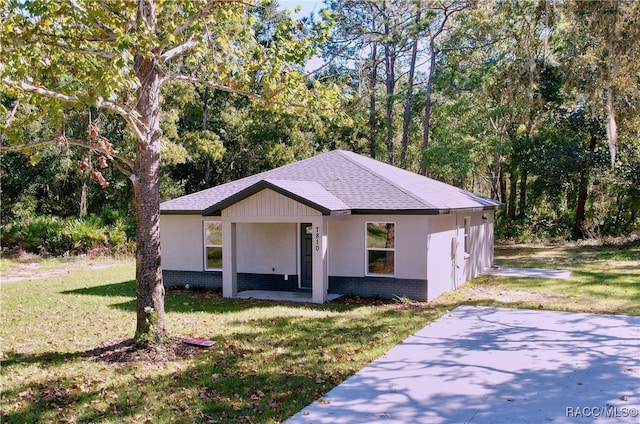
(213, 245)
(381, 248)
(467, 235)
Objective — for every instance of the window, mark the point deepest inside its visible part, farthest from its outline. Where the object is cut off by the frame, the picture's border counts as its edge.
(467, 240)
(213, 245)
(381, 248)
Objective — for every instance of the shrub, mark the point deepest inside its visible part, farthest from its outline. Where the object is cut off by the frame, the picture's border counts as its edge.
(57, 236)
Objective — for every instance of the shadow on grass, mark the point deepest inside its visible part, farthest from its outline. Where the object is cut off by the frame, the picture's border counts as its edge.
(183, 301)
(123, 289)
(46, 358)
(267, 373)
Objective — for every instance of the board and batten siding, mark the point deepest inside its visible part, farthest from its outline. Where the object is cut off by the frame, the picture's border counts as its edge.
(268, 203)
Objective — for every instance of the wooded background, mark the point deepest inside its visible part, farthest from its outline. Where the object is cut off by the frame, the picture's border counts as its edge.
(534, 103)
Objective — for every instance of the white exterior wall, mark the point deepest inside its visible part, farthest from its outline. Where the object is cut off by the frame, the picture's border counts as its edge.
(266, 228)
(347, 245)
(267, 248)
(449, 266)
(481, 237)
(182, 242)
(440, 261)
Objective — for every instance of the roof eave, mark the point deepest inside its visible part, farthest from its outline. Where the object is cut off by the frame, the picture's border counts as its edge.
(180, 212)
(434, 211)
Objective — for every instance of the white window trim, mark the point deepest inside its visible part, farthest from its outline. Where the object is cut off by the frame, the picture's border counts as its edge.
(367, 249)
(206, 244)
(467, 236)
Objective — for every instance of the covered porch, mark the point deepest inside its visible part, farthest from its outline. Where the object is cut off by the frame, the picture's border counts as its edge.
(271, 230)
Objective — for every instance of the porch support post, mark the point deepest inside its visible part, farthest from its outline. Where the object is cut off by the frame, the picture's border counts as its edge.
(229, 260)
(320, 285)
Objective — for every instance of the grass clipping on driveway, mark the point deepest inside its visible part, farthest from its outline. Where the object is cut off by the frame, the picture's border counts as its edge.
(67, 353)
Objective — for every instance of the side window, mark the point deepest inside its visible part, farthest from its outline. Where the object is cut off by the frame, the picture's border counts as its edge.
(467, 235)
(213, 245)
(381, 248)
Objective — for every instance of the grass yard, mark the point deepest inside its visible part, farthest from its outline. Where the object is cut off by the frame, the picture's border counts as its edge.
(269, 359)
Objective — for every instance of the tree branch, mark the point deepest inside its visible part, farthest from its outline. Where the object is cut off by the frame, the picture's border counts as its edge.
(213, 85)
(97, 23)
(9, 118)
(118, 15)
(30, 88)
(204, 11)
(129, 115)
(99, 53)
(176, 51)
(112, 154)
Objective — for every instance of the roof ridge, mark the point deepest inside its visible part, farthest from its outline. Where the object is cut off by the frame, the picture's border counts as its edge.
(402, 189)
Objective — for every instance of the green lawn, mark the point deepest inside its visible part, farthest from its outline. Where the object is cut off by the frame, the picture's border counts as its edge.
(269, 359)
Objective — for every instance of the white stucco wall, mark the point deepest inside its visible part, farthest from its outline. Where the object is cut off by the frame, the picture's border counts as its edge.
(347, 245)
(267, 248)
(181, 240)
(440, 261)
(481, 255)
(448, 267)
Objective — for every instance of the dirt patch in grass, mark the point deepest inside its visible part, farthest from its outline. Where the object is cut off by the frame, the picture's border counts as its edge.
(33, 267)
(513, 296)
(124, 350)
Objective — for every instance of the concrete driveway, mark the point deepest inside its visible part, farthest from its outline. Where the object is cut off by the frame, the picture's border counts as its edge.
(496, 365)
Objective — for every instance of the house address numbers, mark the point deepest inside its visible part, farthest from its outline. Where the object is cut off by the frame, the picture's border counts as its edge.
(317, 239)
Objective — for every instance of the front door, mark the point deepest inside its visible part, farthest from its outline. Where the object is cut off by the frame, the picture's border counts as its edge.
(306, 255)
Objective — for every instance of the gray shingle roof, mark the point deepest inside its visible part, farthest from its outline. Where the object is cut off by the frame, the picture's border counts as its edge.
(341, 181)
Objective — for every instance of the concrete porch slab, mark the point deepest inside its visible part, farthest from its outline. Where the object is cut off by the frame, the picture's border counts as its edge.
(285, 296)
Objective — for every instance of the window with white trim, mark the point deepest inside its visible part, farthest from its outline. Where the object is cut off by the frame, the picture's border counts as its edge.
(212, 245)
(381, 248)
(467, 232)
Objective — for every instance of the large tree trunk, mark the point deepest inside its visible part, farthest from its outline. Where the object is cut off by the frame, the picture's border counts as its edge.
(612, 127)
(511, 207)
(427, 105)
(205, 123)
(522, 204)
(83, 198)
(149, 285)
(409, 97)
(503, 187)
(373, 120)
(390, 78)
(578, 226)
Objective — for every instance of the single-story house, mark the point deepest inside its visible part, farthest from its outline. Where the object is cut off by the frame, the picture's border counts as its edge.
(336, 223)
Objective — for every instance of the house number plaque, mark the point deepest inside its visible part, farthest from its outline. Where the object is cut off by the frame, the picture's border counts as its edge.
(317, 239)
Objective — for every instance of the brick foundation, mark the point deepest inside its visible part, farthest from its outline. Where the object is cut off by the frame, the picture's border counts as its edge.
(382, 287)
